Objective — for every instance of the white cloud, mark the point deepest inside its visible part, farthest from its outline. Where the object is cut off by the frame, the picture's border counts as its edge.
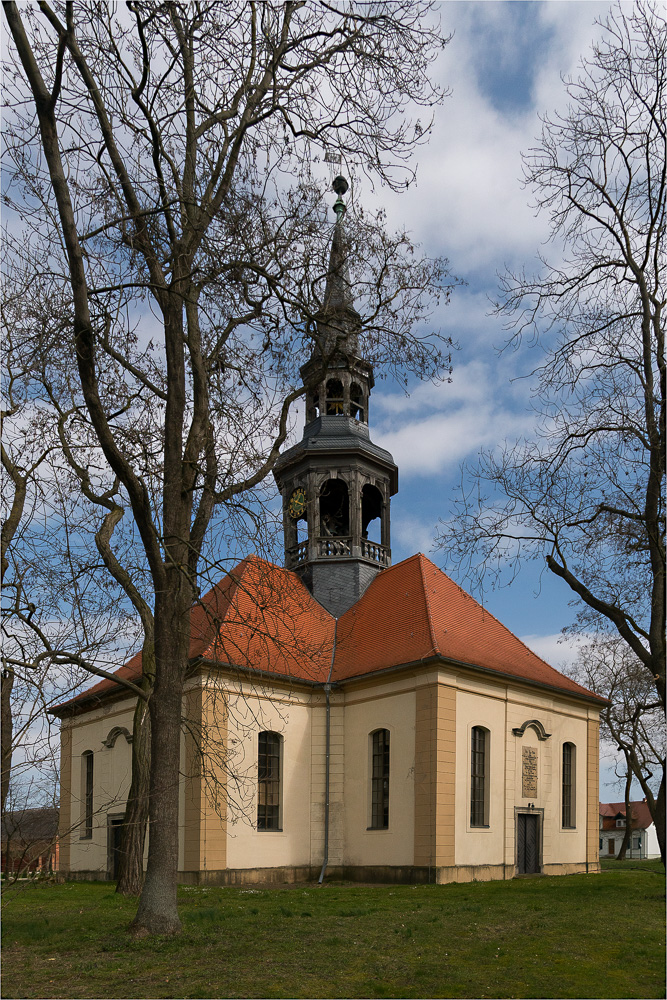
(410, 535)
(559, 651)
(438, 426)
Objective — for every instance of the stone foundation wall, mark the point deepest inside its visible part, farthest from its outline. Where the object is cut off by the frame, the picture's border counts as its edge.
(380, 874)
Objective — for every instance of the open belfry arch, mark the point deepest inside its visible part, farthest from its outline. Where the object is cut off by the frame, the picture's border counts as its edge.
(346, 717)
(336, 481)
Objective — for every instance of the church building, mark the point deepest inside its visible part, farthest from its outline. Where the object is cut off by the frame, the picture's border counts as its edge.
(345, 717)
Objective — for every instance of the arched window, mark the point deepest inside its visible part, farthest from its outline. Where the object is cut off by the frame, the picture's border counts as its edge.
(335, 400)
(269, 781)
(86, 795)
(357, 402)
(380, 779)
(568, 785)
(479, 785)
(371, 509)
(334, 509)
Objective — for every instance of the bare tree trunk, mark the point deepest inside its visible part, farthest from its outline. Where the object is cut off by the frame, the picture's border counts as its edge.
(157, 912)
(131, 860)
(6, 731)
(628, 818)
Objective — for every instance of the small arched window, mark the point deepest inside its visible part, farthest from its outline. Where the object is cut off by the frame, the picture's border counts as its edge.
(335, 401)
(479, 784)
(380, 779)
(568, 785)
(269, 781)
(371, 509)
(334, 509)
(357, 402)
(87, 776)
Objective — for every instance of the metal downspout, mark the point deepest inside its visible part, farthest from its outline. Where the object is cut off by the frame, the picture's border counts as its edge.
(327, 693)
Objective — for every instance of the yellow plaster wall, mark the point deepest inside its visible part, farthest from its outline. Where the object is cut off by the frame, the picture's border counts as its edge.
(501, 707)
(203, 792)
(336, 778)
(592, 792)
(65, 813)
(484, 705)
(252, 710)
(112, 769)
(435, 754)
(566, 722)
(389, 705)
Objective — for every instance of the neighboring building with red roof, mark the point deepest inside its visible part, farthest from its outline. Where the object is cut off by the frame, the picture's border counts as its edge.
(344, 715)
(643, 838)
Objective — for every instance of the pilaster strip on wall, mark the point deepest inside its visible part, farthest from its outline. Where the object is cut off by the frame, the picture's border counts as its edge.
(213, 837)
(193, 812)
(445, 775)
(65, 816)
(593, 792)
(435, 753)
(425, 742)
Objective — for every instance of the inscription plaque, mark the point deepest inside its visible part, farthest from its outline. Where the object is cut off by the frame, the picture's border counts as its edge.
(529, 772)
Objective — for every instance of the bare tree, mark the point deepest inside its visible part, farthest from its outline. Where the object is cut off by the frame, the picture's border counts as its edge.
(632, 723)
(587, 495)
(158, 146)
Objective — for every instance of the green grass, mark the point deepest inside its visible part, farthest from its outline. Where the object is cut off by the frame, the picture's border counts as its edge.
(572, 936)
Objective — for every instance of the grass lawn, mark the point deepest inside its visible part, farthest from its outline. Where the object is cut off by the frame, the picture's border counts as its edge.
(574, 936)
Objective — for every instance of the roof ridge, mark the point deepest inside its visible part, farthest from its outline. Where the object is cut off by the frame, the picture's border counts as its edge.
(491, 615)
(485, 610)
(421, 558)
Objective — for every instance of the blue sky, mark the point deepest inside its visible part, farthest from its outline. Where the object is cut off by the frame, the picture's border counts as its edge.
(504, 67)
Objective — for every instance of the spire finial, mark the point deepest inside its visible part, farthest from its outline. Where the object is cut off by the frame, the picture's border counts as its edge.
(340, 186)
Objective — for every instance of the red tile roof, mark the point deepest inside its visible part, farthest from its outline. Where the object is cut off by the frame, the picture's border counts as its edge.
(413, 611)
(262, 617)
(639, 812)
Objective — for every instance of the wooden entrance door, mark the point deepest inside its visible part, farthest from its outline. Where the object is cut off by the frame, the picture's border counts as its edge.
(528, 843)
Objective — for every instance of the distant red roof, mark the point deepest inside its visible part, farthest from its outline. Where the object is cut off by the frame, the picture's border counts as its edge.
(262, 617)
(639, 813)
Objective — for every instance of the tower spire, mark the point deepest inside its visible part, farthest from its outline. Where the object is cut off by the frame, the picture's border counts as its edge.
(338, 321)
(336, 484)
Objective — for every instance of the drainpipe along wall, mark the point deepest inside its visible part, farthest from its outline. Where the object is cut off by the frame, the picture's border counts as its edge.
(327, 695)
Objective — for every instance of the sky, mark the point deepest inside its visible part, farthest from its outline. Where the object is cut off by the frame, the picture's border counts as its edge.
(504, 68)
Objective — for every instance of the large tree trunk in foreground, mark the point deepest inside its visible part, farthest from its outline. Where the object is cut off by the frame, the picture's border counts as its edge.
(157, 912)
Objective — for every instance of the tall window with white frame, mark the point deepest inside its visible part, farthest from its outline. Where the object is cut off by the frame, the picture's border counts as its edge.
(269, 761)
(568, 789)
(87, 795)
(479, 752)
(380, 779)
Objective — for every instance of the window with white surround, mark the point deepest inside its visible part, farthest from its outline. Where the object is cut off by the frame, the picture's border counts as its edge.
(269, 781)
(479, 785)
(568, 786)
(380, 779)
(87, 775)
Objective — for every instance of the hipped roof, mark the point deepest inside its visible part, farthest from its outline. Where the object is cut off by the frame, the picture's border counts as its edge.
(262, 618)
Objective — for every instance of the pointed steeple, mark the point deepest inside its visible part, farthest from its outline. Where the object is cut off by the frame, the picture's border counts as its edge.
(336, 484)
(338, 321)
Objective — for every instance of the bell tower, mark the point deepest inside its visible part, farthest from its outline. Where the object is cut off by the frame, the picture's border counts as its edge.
(335, 483)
